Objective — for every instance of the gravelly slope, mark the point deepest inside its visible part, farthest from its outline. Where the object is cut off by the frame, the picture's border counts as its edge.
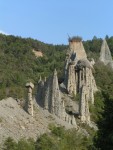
(17, 123)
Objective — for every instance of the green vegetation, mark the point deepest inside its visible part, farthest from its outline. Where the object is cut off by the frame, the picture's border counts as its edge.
(18, 64)
(22, 144)
(104, 78)
(97, 109)
(75, 39)
(104, 138)
(76, 97)
(58, 139)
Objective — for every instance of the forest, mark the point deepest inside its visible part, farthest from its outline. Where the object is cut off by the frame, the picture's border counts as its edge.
(18, 65)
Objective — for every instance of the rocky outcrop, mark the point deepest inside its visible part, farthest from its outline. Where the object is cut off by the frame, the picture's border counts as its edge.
(37, 53)
(78, 80)
(105, 54)
(85, 77)
(51, 96)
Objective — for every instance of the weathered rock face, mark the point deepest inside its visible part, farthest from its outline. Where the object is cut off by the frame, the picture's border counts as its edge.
(79, 78)
(85, 77)
(105, 54)
(51, 96)
(78, 48)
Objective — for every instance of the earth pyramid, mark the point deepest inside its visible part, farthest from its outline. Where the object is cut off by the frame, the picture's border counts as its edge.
(78, 81)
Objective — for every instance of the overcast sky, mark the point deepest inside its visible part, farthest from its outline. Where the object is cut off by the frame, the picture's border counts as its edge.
(51, 21)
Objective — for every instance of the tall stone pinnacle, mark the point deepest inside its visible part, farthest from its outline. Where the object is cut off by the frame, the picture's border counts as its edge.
(52, 96)
(78, 83)
(84, 106)
(55, 80)
(55, 93)
(105, 54)
(29, 87)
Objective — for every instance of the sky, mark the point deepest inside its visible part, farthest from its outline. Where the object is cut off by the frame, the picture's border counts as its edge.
(51, 21)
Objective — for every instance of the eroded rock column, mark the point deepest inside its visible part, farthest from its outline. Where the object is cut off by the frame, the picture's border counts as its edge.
(71, 84)
(82, 105)
(30, 87)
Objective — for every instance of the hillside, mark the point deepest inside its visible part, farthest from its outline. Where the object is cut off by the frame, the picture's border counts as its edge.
(19, 65)
(17, 123)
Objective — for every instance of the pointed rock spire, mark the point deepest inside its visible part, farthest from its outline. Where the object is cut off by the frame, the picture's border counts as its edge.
(52, 96)
(55, 93)
(105, 54)
(55, 81)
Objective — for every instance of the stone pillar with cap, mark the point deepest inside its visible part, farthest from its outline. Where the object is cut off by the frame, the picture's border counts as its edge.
(30, 87)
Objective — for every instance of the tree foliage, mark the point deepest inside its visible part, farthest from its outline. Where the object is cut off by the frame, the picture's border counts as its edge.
(104, 137)
(57, 139)
(18, 64)
(22, 144)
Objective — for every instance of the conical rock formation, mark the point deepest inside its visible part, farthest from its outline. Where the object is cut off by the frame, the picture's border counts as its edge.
(78, 82)
(105, 54)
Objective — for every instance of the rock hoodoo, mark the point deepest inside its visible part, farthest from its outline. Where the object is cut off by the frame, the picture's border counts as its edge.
(65, 104)
(29, 87)
(78, 80)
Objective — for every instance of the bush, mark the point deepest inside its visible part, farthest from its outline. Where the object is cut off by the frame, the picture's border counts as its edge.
(10, 144)
(22, 144)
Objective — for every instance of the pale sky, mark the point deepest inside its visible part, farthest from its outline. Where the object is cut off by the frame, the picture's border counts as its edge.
(51, 21)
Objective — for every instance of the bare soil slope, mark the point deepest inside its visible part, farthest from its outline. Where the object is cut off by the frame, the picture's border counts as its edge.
(17, 123)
